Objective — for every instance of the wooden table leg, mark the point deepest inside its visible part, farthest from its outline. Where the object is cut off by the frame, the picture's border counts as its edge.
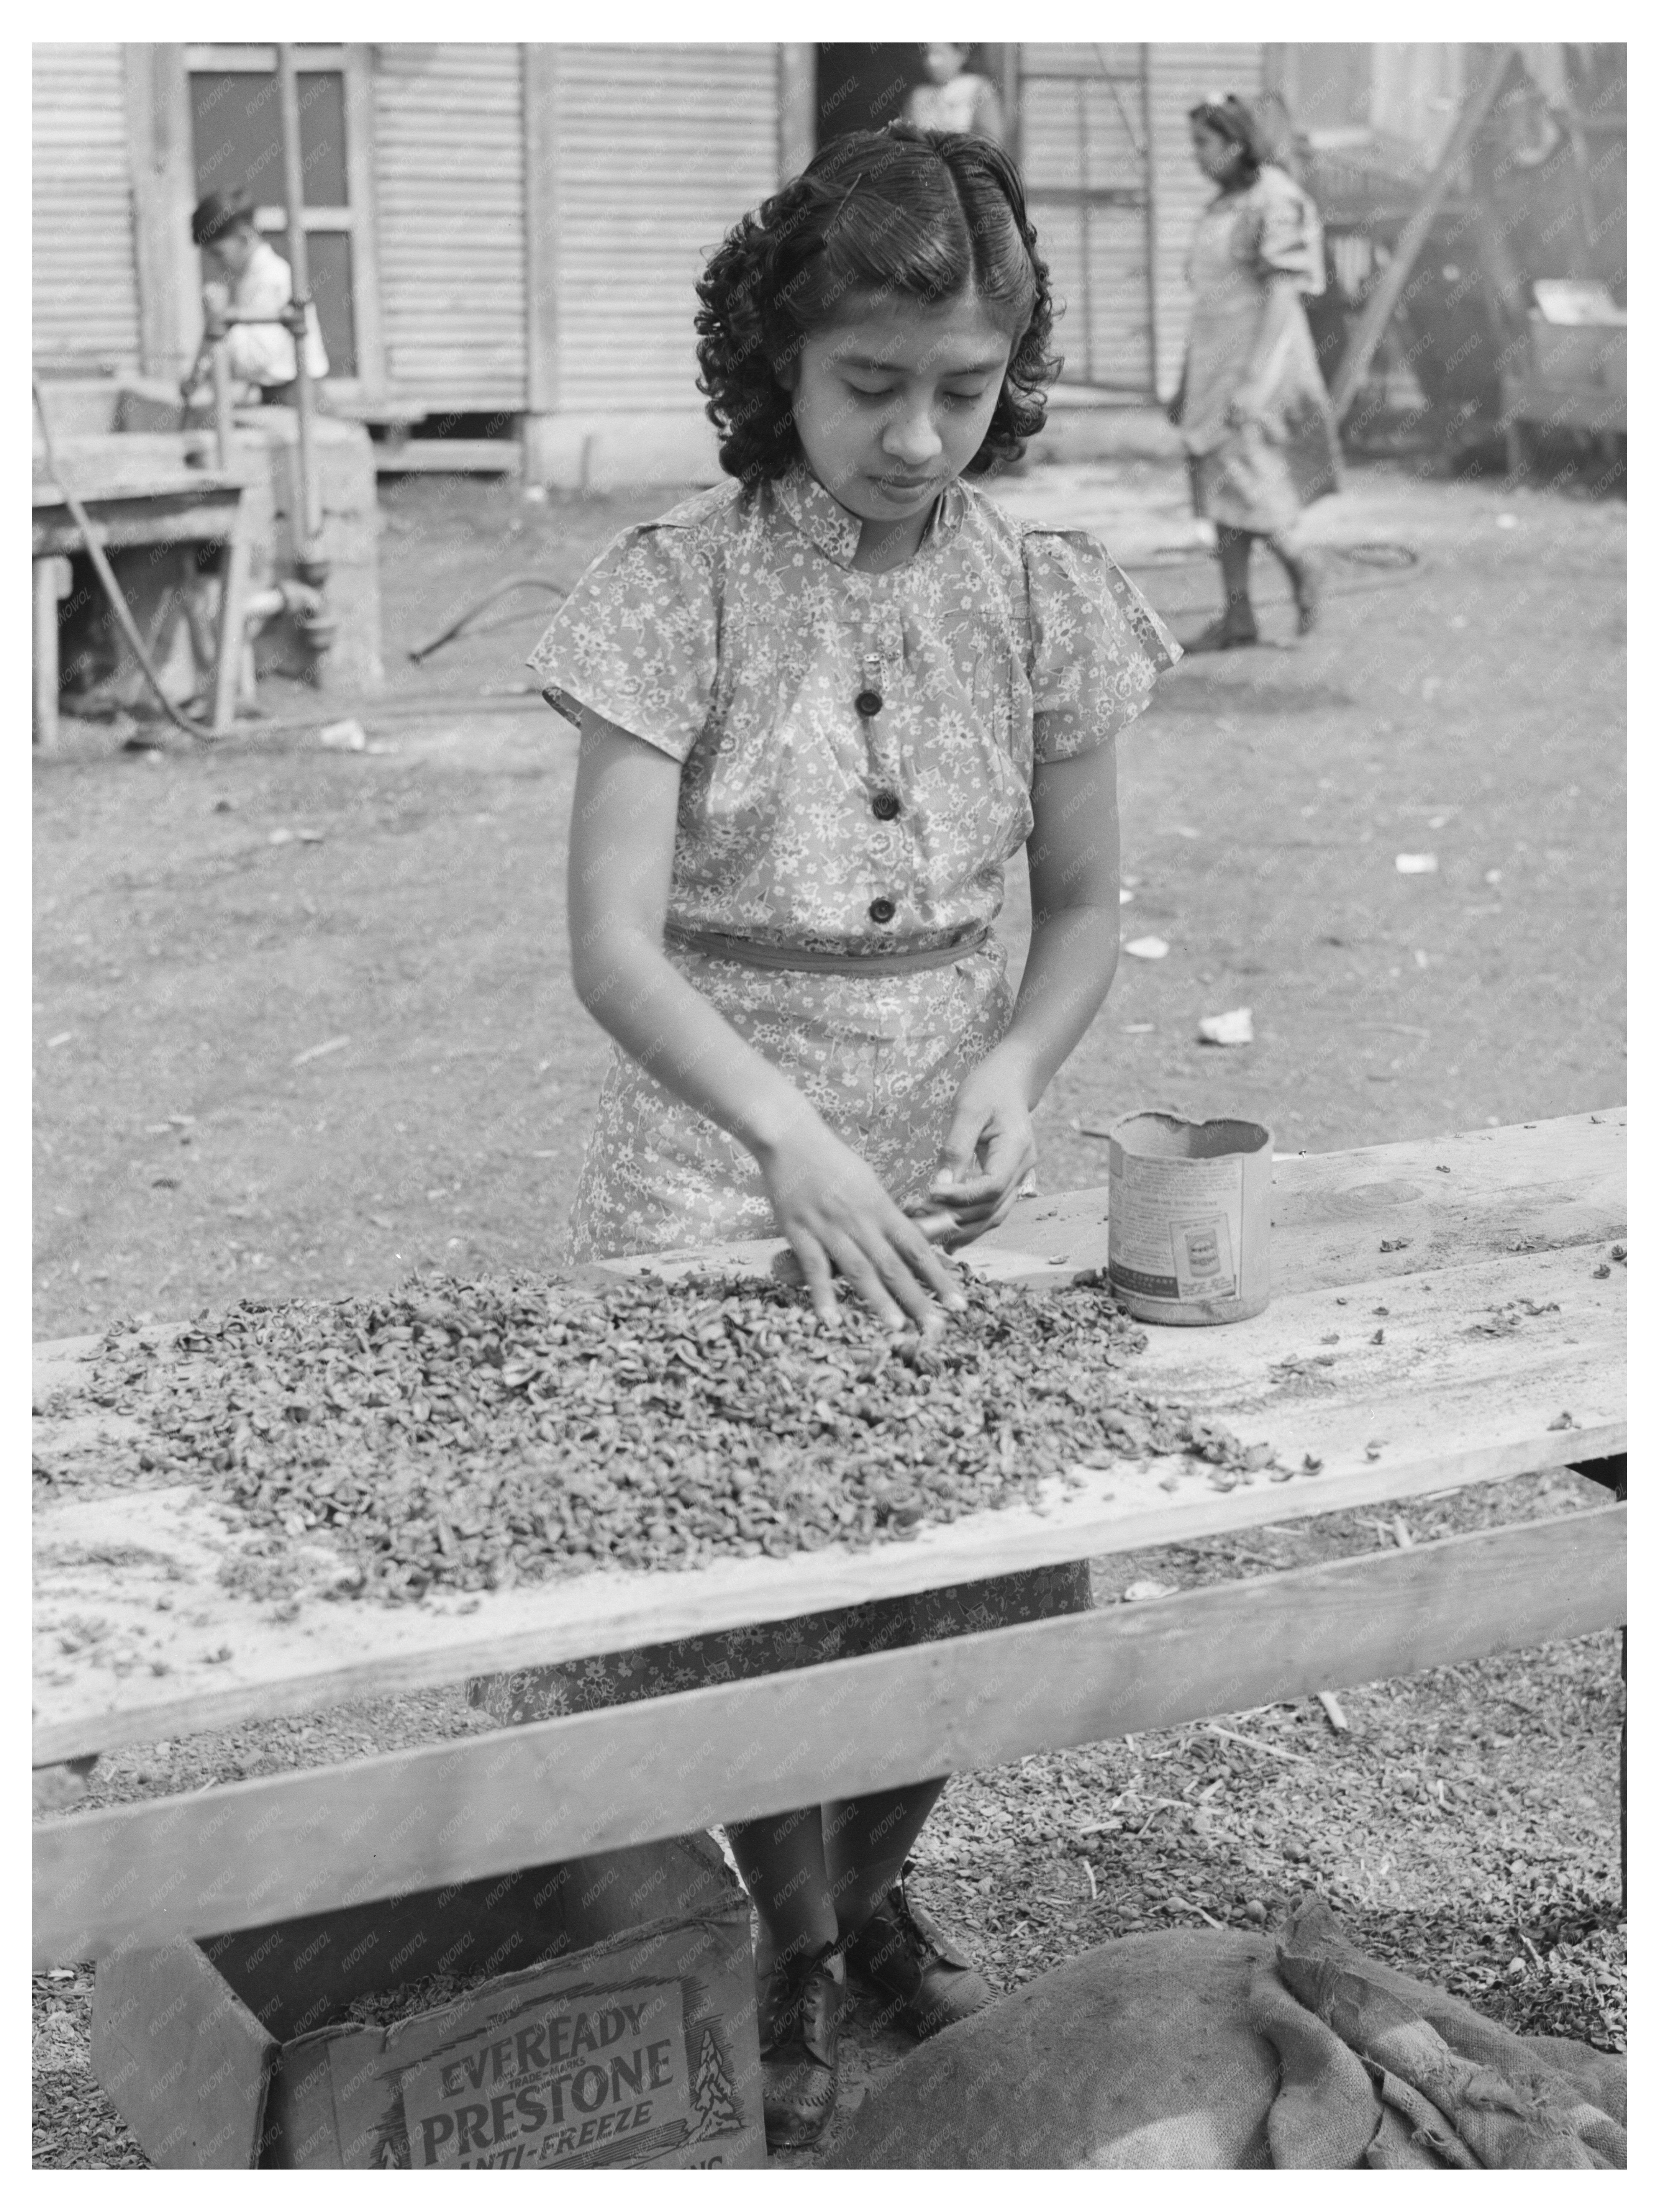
(233, 619)
(1613, 1474)
(51, 584)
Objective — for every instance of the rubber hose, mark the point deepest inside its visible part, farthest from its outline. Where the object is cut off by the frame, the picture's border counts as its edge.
(1331, 591)
(105, 575)
(1398, 565)
(438, 703)
(419, 653)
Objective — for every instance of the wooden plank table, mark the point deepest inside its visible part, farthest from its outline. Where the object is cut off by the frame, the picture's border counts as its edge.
(137, 490)
(1502, 1353)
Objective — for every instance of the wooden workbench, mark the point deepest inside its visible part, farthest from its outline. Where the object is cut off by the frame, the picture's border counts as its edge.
(136, 489)
(1502, 1353)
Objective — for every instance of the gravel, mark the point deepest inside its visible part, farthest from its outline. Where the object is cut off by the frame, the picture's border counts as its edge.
(431, 1993)
(475, 1435)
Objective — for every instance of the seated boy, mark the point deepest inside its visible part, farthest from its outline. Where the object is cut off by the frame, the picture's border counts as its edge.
(954, 98)
(247, 277)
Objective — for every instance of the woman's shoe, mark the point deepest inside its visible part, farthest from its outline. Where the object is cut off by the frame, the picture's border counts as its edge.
(904, 1954)
(798, 2006)
(1225, 632)
(1307, 575)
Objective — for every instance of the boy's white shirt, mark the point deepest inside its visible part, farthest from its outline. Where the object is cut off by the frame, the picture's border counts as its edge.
(263, 353)
(966, 103)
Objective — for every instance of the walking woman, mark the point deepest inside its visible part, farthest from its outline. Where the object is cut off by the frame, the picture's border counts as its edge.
(1252, 410)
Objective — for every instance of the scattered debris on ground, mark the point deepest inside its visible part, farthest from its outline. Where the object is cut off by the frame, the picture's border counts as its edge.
(431, 1993)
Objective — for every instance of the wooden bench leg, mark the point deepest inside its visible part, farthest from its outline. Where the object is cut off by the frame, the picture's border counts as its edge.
(51, 584)
(1613, 1473)
(233, 621)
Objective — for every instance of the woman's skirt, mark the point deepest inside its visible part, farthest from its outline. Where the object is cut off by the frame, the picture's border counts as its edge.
(1261, 476)
(881, 1059)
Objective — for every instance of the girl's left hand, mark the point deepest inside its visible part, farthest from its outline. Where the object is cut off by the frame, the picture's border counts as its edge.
(990, 1131)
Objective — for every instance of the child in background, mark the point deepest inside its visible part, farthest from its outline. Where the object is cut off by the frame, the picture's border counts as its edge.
(821, 708)
(954, 98)
(247, 276)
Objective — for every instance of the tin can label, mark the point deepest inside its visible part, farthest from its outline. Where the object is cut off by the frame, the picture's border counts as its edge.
(1175, 1227)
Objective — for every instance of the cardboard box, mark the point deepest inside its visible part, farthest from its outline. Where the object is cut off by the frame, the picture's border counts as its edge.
(634, 2046)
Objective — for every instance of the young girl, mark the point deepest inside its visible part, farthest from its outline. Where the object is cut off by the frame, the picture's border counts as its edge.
(821, 708)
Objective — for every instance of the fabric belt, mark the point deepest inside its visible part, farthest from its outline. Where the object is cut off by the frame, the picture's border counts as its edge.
(895, 959)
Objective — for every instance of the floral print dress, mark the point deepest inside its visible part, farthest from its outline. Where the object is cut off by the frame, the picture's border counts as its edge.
(734, 634)
(1258, 477)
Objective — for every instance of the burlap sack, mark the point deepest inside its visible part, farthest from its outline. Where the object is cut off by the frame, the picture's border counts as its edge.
(1190, 2049)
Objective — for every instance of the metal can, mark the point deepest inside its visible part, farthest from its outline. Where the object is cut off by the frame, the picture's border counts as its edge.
(1190, 1214)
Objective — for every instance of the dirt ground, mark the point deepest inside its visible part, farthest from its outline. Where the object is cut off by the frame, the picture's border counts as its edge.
(303, 1023)
(195, 1144)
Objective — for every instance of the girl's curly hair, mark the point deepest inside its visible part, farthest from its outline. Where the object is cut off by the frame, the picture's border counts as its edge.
(928, 214)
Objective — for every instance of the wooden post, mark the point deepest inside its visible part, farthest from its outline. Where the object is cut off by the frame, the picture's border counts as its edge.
(798, 109)
(1379, 308)
(51, 584)
(365, 226)
(541, 182)
(154, 252)
(1085, 231)
(1149, 169)
(1580, 168)
(309, 518)
(1003, 63)
(232, 622)
(223, 426)
(165, 210)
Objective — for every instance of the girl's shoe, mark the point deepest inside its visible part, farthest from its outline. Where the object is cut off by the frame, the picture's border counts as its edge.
(904, 1954)
(798, 2006)
(1307, 573)
(1225, 632)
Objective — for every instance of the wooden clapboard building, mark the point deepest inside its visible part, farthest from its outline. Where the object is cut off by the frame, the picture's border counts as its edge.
(503, 239)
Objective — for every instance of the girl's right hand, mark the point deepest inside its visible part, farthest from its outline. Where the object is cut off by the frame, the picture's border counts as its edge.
(838, 1218)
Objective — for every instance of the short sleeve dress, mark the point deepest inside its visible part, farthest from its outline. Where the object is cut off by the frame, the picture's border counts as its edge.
(734, 636)
(1259, 477)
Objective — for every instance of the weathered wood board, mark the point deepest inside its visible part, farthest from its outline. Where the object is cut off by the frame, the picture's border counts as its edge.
(258, 1852)
(131, 1579)
(1438, 1201)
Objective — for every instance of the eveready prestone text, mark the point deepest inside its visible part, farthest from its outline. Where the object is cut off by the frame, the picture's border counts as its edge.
(497, 2146)
(625, 2082)
(548, 2044)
